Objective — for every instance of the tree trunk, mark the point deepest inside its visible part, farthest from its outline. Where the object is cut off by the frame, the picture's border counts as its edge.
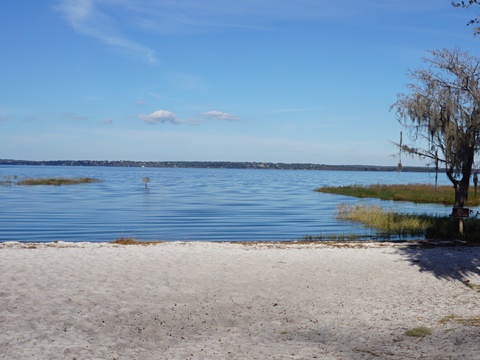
(461, 186)
(461, 194)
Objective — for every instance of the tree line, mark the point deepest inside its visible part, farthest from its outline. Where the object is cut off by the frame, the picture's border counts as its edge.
(212, 165)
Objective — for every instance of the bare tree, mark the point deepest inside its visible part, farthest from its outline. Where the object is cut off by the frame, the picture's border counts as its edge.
(442, 115)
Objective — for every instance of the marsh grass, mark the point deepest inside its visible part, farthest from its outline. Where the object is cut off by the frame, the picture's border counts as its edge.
(388, 222)
(57, 181)
(416, 193)
(392, 224)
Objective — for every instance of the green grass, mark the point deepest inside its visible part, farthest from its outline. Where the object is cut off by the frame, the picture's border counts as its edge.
(420, 331)
(417, 193)
(57, 181)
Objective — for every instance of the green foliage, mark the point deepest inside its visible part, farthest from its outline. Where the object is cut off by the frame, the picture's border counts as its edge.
(416, 193)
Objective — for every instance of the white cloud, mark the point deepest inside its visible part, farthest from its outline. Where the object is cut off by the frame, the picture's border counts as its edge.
(160, 116)
(165, 116)
(86, 18)
(219, 115)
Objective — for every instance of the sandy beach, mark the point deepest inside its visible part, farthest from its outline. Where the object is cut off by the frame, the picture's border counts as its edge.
(206, 300)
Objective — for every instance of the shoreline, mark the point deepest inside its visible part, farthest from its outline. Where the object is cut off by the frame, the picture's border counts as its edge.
(210, 300)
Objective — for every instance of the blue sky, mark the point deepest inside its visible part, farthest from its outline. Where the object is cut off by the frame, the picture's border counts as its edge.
(307, 81)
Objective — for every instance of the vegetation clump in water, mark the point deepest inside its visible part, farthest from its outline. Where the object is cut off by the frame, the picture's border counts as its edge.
(57, 181)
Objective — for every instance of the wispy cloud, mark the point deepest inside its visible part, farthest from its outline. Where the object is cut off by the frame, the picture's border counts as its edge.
(293, 110)
(104, 19)
(72, 116)
(219, 115)
(117, 23)
(85, 17)
(107, 121)
(187, 15)
(4, 118)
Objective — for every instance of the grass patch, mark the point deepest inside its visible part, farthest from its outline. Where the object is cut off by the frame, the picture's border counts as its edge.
(416, 193)
(420, 331)
(57, 181)
(132, 241)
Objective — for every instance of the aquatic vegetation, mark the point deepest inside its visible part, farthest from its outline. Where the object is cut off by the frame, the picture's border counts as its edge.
(388, 222)
(57, 181)
(393, 224)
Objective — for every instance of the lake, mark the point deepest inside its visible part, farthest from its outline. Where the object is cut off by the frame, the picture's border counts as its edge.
(188, 204)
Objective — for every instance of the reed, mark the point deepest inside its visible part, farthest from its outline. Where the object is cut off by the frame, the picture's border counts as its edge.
(388, 222)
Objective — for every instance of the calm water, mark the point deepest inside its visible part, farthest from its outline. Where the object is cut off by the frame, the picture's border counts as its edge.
(186, 204)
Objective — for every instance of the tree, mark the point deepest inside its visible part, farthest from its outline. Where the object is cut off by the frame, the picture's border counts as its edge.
(466, 4)
(442, 114)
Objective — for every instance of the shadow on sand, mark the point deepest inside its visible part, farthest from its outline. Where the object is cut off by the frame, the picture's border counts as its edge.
(447, 261)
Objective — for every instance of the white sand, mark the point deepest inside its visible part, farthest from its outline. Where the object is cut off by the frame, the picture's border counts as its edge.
(230, 301)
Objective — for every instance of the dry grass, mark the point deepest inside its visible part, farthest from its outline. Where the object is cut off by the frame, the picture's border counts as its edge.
(132, 241)
(469, 321)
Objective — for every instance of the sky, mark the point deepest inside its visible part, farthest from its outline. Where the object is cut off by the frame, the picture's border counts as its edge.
(291, 81)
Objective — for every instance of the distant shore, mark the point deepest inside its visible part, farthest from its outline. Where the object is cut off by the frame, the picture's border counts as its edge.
(213, 165)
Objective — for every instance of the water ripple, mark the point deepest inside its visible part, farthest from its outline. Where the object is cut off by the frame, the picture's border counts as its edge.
(184, 204)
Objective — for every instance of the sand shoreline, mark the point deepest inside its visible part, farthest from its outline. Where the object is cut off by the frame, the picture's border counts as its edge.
(203, 300)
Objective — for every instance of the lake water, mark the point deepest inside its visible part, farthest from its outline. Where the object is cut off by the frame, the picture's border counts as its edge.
(187, 204)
